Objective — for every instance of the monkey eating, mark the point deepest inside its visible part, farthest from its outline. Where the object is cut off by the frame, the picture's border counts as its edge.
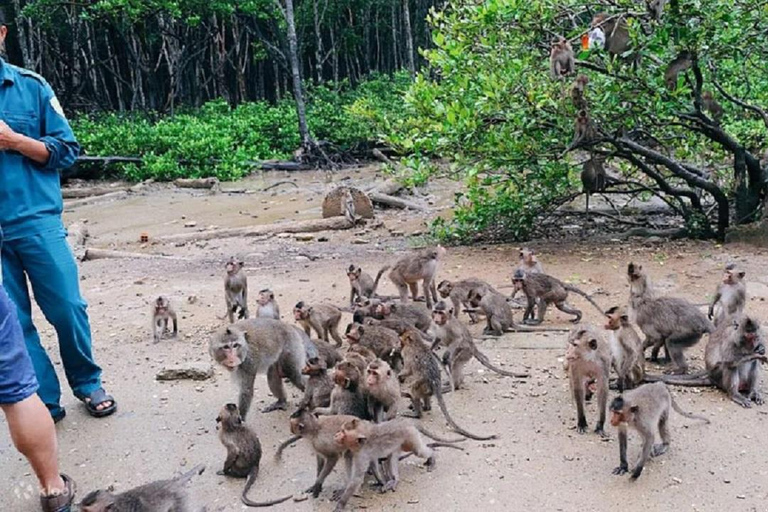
(730, 297)
(420, 266)
(236, 290)
(267, 305)
(542, 290)
(162, 311)
(458, 291)
(561, 62)
(626, 349)
(498, 313)
(361, 284)
(588, 362)
(323, 318)
(645, 409)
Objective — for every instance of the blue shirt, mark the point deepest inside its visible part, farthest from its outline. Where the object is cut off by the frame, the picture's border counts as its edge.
(30, 193)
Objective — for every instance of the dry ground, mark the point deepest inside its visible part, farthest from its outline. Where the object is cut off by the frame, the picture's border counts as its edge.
(539, 461)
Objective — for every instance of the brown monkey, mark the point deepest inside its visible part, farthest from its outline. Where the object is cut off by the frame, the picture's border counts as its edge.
(258, 345)
(347, 396)
(266, 305)
(398, 325)
(616, 33)
(710, 104)
(583, 129)
(421, 365)
(317, 391)
(579, 93)
(675, 323)
(380, 340)
(528, 262)
(457, 339)
(361, 284)
(162, 311)
(415, 314)
(325, 351)
(236, 290)
(458, 291)
(498, 314)
(680, 63)
(645, 409)
(588, 362)
(542, 290)
(561, 62)
(732, 359)
(363, 352)
(626, 349)
(323, 318)
(593, 176)
(730, 297)
(161, 495)
(383, 391)
(419, 266)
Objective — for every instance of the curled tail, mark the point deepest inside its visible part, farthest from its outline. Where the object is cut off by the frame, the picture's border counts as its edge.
(434, 437)
(186, 477)
(454, 426)
(575, 290)
(487, 363)
(271, 503)
(285, 444)
(686, 414)
(378, 277)
(699, 379)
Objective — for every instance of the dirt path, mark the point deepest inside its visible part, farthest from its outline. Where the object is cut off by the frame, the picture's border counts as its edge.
(539, 462)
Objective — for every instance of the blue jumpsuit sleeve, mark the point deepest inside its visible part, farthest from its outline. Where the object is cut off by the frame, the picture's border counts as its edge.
(57, 135)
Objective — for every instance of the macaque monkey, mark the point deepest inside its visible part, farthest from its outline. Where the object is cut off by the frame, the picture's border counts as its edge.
(323, 318)
(626, 349)
(616, 33)
(579, 93)
(666, 321)
(236, 290)
(169, 495)
(498, 313)
(162, 311)
(542, 290)
(317, 391)
(561, 62)
(419, 266)
(266, 305)
(347, 396)
(680, 63)
(361, 284)
(366, 355)
(415, 314)
(349, 208)
(710, 104)
(645, 409)
(370, 442)
(593, 176)
(460, 348)
(583, 130)
(255, 345)
(730, 297)
(528, 262)
(422, 372)
(588, 362)
(383, 390)
(458, 291)
(381, 341)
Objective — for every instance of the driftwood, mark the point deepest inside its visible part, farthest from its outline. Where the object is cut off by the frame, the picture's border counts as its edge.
(333, 204)
(275, 165)
(95, 199)
(81, 192)
(207, 183)
(395, 202)
(93, 253)
(299, 226)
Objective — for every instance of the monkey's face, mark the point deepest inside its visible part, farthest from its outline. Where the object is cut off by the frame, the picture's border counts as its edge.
(382, 311)
(440, 317)
(345, 374)
(97, 501)
(349, 437)
(314, 366)
(733, 277)
(300, 314)
(228, 349)
(354, 333)
(634, 272)
(354, 274)
(617, 418)
(581, 345)
(444, 289)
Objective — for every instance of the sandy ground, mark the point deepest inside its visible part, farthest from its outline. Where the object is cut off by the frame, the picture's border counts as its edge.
(539, 461)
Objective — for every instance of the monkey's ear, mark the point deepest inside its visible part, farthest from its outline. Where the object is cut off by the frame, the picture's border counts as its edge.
(625, 317)
(742, 274)
(593, 344)
(361, 439)
(634, 409)
(309, 310)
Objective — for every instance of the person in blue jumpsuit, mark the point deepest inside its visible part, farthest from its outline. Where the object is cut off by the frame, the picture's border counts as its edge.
(36, 142)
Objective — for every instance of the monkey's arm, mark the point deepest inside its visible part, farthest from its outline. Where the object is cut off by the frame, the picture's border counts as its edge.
(714, 302)
(623, 466)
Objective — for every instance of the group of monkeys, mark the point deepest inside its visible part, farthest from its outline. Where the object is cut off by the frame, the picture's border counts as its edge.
(351, 400)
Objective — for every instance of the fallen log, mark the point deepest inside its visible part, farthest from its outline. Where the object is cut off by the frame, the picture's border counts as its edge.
(204, 183)
(298, 226)
(81, 192)
(95, 199)
(93, 253)
(275, 165)
(395, 202)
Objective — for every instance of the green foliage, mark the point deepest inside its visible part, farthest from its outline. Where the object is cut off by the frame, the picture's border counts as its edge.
(217, 140)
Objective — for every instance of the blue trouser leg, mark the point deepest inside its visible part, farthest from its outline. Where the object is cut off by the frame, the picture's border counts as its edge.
(47, 261)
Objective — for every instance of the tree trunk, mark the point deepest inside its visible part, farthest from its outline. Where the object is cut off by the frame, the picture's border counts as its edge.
(318, 43)
(395, 45)
(298, 93)
(409, 38)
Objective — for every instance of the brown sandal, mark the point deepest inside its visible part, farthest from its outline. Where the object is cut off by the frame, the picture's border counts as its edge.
(62, 501)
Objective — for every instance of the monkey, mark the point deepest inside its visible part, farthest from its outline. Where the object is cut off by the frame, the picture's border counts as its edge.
(380, 340)
(349, 208)
(415, 314)
(327, 352)
(561, 61)
(583, 131)
(645, 409)
(730, 297)
(457, 339)
(616, 33)
(588, 362)
(323, 318)
(543, 290)
(257, 345)
(498, 314)
(656, 8)
(399, 325)
(626, 349)
(732, 360)
(682, 62)
(347, 396)
(161, 312)
(421, 365)
(166, 495)
(317, 391)
(458, 291)
(357, 352)
(369, 442)
(578, 93)
(361, 284)
(243, 452)
(236, 290)
(383, 391)
(267, 306)
(674, 323)
(528, 262)
(593, 176)
(710, 104)
(419, 266)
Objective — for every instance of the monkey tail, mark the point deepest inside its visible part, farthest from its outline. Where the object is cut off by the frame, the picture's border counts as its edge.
(378, 277)
(421, 428)
(186, 477)
(454, 426)
(573, 289)
(487, 363)
(285, 444)
(270, 503)
(698, 379)
(434, 445)
(681, 412)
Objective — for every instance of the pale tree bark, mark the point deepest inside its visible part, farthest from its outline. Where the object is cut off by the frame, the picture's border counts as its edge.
(409, 37)
(298, 92)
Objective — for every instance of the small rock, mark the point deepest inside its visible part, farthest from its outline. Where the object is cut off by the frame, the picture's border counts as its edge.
(741, 497)
(676, 480)
(193, 371)
(190, 224)
(284, 235)
(360, 241)
(397, 232)
(192, 299)
(300, 497)
(304, 237)
(322, 239)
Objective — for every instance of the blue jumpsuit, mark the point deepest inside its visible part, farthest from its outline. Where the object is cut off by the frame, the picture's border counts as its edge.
(34, 245)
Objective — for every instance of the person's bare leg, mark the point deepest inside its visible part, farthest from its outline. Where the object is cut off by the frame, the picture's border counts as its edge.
(34, 435)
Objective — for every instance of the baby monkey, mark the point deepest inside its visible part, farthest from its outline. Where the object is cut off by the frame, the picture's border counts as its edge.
(266, 305)
(162, 311)
(645, 409)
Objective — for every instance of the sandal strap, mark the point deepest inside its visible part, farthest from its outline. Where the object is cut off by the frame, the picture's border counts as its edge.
(60, 502)
(99, 397)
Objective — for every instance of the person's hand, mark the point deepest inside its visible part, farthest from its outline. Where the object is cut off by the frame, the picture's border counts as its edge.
(9, 139)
